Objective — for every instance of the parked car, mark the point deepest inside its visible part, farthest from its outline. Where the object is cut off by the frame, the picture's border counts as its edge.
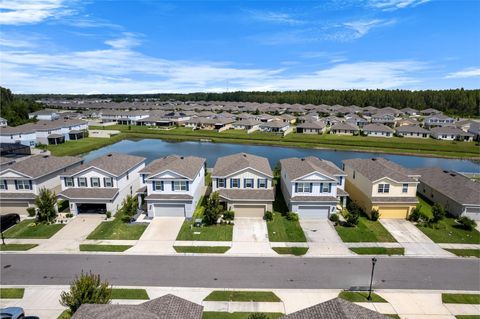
(8, 220)
(12, 312)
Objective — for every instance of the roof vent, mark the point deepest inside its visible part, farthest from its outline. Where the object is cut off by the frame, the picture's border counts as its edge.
(181, 157)
(446, 172)
(46, 156)
(109, 155)
(374, 159)
(453, 175)
(302, 159)
(244, 155)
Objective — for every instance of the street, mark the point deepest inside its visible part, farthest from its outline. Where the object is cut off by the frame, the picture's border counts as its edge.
(243, 272)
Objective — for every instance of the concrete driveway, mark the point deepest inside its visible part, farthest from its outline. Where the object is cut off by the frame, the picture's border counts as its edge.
(159, 236)
(322, 238)
(250, 237)
(412, 239)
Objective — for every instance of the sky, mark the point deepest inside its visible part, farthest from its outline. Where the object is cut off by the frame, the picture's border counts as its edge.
(154, 46)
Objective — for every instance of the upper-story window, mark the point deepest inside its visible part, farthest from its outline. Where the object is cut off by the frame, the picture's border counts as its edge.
(262, 183)
(95, 182)
(325, 187)
(108, 182)
(3, 184)
(405, 188)
(69, 182)
(303, 188)
(248, 183)
(180, 186)
(340, 180)
(221, 182)
(82, 182)
(384, 188)
(158, 186)
(23, 184)
(235, 183)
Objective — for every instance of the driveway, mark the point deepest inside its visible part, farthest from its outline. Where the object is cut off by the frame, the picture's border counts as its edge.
(250, 237)
(159, 236)
(323, 239)
(412, 239)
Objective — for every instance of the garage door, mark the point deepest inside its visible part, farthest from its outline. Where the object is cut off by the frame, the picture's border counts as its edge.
(169, 210)
(249, 210)
(91, 208)
(393, 212)
(17, 208)
(313, 212)
(473, 213)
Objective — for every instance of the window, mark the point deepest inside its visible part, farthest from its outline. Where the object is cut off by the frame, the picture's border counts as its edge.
(82, 182)
(221, 182)
(235, 183)
(69, 182)
(383, 188)
(405, 188)
(340, 180)
(303, 188)
(353, 174)
(326, 188)
(23, 184)
(108, 182)
(180, 186)
(262, 183)
(248, 183)
(158, 186)
(95, 182)
(128, 176)
(3, 184)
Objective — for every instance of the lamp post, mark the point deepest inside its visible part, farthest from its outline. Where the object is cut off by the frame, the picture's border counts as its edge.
(374, 261)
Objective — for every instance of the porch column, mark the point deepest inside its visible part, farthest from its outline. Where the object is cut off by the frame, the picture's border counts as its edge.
(344, 201)
(139, 200)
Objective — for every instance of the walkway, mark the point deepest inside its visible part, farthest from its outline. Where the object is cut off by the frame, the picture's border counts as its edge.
(323, 239)
(250, 237)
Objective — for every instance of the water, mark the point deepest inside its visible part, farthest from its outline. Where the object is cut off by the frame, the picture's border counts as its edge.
(155, 148)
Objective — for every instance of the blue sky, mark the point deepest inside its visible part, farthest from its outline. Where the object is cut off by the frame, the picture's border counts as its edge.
(75, 46)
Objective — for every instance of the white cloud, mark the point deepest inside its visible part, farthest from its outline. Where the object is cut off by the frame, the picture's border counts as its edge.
(30, 11)
(362, 27)
(466, 73)
(390, 5)
(275, 17)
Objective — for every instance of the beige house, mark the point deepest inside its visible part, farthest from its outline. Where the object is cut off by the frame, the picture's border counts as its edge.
(377, 183)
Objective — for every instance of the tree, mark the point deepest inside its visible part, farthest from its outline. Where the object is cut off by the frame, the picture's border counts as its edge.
(45, 202)
(438, 213)
(86, 289)
(213, 209)
(129, 208)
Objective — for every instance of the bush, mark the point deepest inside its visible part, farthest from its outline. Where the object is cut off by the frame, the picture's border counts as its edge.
(292, 216)
(268, 216)
(374, 214)
(351, 218)
(86, 289)
(69, 215)
(229, 215)
(32, 211)
(438, 213)
(45, 202)
(213, 209)
(352, 207)
(258, 315)
(108, 214)
(129, 208)
(415, 214)
(334, 218)
(466, 223)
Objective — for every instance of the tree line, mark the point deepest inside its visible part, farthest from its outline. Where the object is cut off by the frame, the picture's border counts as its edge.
(15, 109)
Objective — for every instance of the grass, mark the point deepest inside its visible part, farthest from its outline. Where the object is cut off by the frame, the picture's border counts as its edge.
(378, 251)
(201, 249)
(365, 231)
(114, 248)
(473, 299)
(208, 179)
(296, 251)
(66, 314)
(256, 296)
(117, 230)
(468, 317)
(360, 296)
(29, 229)
(11, 293)
(17, 247)
(123, 293)
(280, 229)
(237, 315)
(393, 316)
(84, 145)
(465, 252)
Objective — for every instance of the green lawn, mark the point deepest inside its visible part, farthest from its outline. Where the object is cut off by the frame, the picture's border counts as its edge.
(365, 231)
(114, 248)
(84, 145)
(296, 251)
(123, 293)
(461, 298)
(360, 296)
(117, 230)
(237, 315)
(468, 317)
(29, 229)
(465, 252)
(257, 296)
(11, 293)
(17, 247)
(65, 314)
(378, 251)
(282, 230)
(201, 249)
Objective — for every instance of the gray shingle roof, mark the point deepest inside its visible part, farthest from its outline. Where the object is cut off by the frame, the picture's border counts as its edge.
(398, 199)
(298, 167)
(114, 163)
(187, 166)
(313, 199)
(275, 124)
(247, 194)
(449, 130)
(313, 124)
(344, 126)
(412, 129)
(230, 164)
(89, 193)
(169, 197)
(40, 165)
(248, 122)
(377, 168)
(377, 128)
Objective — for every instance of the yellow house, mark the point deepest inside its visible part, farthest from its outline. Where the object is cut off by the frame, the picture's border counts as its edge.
(377, 183)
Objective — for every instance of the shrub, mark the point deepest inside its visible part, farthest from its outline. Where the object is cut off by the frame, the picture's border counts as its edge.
(292, 216)
(69, 215)
(374, 214)
(334, 218)
(352, 218)
(129, 208)
(466, 223)
(86, 289)
(258, 315)
(415, 214)
(352, 207)
(45, 201)
(229, 215)
(213, 209)
(268, 216)
(438, 213)
(32, 211)
(108, 214)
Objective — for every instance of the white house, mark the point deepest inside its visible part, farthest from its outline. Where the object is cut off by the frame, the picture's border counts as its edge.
(102, 184)
(379, 130)
(450, 133)
(244, 183)
(312, 187)
(438, 120)
(21, 181)
(172, 186)
(413, 131)
(44, 115)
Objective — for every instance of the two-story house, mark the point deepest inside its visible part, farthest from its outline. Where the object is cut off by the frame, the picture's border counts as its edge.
(244, 183)
(312, 187)
(21, 181)
(101, 184)
(172, 186)
(438, 120)
(377, 183)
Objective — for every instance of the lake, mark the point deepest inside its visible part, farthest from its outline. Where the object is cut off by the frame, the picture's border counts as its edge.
(155, 148)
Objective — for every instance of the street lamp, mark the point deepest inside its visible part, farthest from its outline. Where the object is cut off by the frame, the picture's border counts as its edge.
(374, 261)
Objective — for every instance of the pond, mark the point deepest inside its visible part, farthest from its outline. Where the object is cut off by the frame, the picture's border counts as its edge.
(155, 148)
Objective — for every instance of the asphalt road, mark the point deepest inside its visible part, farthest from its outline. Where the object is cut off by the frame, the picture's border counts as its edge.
(243, 272)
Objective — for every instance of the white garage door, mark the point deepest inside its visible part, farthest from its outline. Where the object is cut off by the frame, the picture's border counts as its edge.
(249, 210)
(169, 210)
(313, 212)
(17, 208)
(473, 213)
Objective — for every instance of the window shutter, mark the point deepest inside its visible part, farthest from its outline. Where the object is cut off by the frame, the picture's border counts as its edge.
(154, 184)
(321, 187)
(296, 187)
(311, 187)
(341, 180)
(30, 182)
(143, 178)
(5, 184)
(16, 184)
(258, 183)
(104, 182)
(173, 187)
(231, 183)
(187, 185)
(216, 181)
(330, 187)
(161, 186)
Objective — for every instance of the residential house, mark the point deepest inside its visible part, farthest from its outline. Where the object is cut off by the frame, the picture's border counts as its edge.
(287, 118)
(429, 112)
(172, 186)
(355, 119)
(413, 131)
(265, 118)
(475, 131)
(101, 184)
(378, 130)
(312, 187)
(407, 121)
(377, 183)
(244, 183)
(410, 112)
(250, 125)
(21, 181)
(44, 115)
(275, 127)
(438, 120)
(156, 120)
(450, 133)
(22, 134)
(465, 125)
(383, 117)
(459, 195)
(3, 122)
(344, 129)
(332, 120)
(316, 127)
(369, 110)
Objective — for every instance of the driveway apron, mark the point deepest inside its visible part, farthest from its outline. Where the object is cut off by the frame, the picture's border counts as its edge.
(323, 239)
(250, 237)
(159, 236)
